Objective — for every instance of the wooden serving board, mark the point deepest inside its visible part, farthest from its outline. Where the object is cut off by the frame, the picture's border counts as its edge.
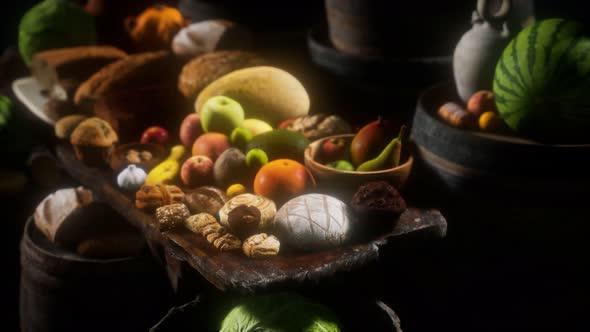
(233, 270)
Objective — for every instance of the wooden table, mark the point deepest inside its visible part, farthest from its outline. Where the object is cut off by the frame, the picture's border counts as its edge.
(233, 271)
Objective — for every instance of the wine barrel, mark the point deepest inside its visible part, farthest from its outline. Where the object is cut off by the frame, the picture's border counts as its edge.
(456, 162)
(354, 315)
(62, 291)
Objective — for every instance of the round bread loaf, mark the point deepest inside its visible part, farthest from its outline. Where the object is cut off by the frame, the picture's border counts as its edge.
(313, 222)
(203, 70)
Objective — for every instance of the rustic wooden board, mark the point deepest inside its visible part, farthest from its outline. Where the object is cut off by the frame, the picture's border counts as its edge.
(233, 270)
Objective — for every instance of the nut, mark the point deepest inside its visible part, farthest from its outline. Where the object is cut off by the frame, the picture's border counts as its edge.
(261, 245)
(244, 220)
(171, 216)
(145, 156)
(205, 199)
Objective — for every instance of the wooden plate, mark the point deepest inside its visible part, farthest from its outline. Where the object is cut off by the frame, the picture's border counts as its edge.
(29, 92)
(233, 270)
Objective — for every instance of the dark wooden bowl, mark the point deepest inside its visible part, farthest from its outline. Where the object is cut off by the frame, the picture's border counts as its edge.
(501, 167)
(118, 160)
(343, 184)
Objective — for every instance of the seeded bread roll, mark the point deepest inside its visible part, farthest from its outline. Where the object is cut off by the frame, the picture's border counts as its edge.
(71, 64)
(137, 70)
(203, 70)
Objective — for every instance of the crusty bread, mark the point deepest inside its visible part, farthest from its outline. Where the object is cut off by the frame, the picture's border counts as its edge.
(71, 64)
(57, 210)
(134, 71)
(204, 69)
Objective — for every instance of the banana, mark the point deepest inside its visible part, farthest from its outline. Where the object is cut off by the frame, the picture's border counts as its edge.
(167, 170)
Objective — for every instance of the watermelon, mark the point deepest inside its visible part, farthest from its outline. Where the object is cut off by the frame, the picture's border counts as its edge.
(542, 82)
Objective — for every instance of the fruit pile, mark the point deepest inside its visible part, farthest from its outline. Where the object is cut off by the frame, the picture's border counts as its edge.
(372, 149)
(480, 113)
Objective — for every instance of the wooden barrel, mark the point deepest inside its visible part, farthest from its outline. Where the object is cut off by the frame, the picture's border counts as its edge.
(62, 291)
(452, 161)
(354, 315)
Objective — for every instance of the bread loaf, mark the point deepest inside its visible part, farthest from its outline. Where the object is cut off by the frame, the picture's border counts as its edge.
(71, 64)
(203, 70)
(209, 36)
(60, 208)
(313, 222)
(137, 70)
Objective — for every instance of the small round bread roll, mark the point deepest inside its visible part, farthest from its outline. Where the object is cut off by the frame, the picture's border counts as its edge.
(261, 245)
(66, 125)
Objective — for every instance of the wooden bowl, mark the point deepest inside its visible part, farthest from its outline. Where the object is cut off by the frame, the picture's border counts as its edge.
(118, 160)
(343, 184)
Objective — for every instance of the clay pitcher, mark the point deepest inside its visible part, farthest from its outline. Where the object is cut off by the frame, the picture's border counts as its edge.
(480, 48)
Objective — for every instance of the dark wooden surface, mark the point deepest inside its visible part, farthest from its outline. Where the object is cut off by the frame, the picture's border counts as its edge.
(233, 270)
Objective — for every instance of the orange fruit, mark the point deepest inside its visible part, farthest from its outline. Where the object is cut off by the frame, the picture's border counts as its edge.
(282, 179)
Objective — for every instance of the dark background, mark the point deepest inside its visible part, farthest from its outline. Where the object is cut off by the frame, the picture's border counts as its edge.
(498, 270)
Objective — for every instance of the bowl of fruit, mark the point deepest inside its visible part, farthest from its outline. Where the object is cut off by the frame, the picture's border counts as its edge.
(342, 163)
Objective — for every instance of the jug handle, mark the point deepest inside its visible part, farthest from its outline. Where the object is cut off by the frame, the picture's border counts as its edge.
(499, 16)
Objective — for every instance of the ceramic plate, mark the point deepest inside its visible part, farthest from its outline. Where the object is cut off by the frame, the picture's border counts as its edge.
(28, 91)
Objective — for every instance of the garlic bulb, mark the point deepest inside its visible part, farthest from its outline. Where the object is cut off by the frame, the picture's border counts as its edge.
(131, 178)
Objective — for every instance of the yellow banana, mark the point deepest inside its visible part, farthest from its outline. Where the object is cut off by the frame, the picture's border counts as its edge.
(167, 170)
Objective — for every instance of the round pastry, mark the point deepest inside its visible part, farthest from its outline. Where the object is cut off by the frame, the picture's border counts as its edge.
(93, 141)
(203, 70)
(210, 35)
(378, 205)
(261, 245)
(267, 209)
(313, 221)
(66, 125)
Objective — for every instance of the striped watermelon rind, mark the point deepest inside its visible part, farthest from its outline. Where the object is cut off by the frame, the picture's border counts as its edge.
(542, 81)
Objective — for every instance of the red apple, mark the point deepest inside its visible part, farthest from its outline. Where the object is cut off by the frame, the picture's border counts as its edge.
(197, 171)
(333, 149)
(286, 123)
(155, 134)
(211, 145)
(190, 129)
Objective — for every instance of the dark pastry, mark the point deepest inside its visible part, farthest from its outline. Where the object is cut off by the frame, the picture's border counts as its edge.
(378, 203)
(244, 220)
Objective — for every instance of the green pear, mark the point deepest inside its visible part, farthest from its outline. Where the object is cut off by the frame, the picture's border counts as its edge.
(255, 126)
(222, 115)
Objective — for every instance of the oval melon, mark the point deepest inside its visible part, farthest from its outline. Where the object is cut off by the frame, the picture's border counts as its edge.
(266, 93)
(542, 82)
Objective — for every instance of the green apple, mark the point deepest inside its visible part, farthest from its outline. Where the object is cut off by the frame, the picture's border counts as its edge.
(343, 165)
(221, 114)
(240, 137)
(255, 126)
(256, 158)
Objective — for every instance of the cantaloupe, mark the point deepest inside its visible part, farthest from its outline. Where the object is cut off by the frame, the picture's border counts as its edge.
(542, 82)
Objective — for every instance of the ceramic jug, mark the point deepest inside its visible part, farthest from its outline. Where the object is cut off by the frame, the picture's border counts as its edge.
(479, 49)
